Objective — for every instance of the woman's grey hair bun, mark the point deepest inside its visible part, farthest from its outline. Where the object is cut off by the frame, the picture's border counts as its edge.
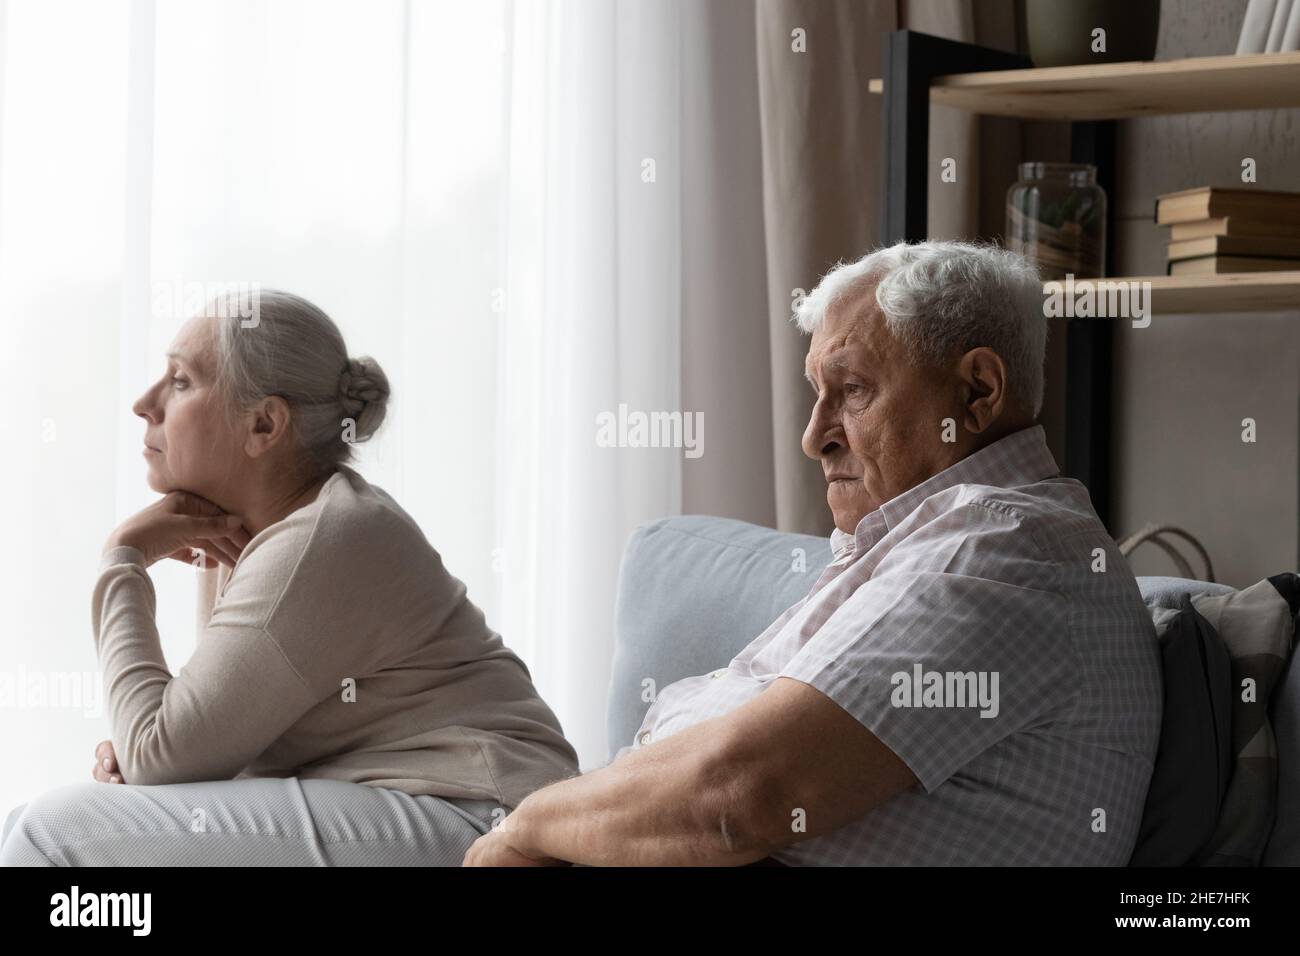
(296, 351)
(363, 393)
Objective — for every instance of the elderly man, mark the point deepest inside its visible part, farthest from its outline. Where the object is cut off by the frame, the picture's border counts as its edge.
(973, 680)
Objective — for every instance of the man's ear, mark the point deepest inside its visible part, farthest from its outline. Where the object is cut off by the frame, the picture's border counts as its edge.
(984, 380)
(268, 425)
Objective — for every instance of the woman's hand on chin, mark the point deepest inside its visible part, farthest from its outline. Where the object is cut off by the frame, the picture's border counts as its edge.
(180, 524)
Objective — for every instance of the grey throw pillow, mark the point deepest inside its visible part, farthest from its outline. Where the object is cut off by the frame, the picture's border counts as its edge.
(1257, 627)
(1284, 842)
(1194, 759)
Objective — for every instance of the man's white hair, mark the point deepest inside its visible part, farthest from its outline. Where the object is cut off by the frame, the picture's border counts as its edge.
(942, 299)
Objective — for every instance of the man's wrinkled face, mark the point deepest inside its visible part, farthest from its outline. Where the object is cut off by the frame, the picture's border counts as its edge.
(877, 425)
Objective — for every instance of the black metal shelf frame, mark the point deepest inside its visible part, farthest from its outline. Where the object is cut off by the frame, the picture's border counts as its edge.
(911, 61)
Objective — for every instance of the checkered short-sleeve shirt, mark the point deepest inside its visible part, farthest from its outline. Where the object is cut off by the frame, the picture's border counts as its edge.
(985, 628)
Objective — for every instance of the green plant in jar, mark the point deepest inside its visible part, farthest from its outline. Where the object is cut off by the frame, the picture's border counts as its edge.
(1056, 216)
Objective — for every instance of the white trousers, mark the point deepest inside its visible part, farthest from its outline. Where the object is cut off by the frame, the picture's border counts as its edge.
(264, 821)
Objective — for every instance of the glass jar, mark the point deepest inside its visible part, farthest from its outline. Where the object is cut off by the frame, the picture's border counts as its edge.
(1056, 216)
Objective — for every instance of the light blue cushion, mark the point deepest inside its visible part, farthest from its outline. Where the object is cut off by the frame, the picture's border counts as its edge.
(1167, 592)
(692, 592)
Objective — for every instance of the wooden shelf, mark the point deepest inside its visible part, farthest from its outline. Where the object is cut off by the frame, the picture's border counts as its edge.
(1117, 90)
(1233, 292)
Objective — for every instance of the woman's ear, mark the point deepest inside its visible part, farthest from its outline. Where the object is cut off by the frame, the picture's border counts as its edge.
(268, 423)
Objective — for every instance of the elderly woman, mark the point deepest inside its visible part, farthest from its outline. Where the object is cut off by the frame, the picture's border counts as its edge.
(346, 703)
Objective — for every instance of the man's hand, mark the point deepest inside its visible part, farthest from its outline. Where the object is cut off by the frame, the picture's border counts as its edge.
(105, 769)
(178, 524)
(496, 848)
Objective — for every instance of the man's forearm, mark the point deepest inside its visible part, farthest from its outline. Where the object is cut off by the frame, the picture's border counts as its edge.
(672, 803)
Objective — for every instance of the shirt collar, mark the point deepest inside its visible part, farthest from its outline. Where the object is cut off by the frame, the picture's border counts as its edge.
(1020, 458)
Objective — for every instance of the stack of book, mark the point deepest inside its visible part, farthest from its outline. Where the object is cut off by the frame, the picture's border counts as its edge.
(1230, 230)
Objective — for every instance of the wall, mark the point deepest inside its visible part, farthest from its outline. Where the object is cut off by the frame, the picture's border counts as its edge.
(1184, 384)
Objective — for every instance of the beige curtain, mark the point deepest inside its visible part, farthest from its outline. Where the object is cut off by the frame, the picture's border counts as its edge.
(788, 185)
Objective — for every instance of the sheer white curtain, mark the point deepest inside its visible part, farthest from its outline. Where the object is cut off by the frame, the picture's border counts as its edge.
(484, 195)
(592, 321)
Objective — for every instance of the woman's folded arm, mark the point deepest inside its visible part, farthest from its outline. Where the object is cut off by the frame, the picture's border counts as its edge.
(235, 696)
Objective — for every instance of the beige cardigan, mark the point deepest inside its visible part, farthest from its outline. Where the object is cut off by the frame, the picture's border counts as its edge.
(338, 647)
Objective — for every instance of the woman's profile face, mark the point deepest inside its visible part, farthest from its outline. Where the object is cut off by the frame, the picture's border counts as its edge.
(188, 442)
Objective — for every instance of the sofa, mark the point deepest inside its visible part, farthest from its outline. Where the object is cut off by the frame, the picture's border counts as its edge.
(694, 590)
